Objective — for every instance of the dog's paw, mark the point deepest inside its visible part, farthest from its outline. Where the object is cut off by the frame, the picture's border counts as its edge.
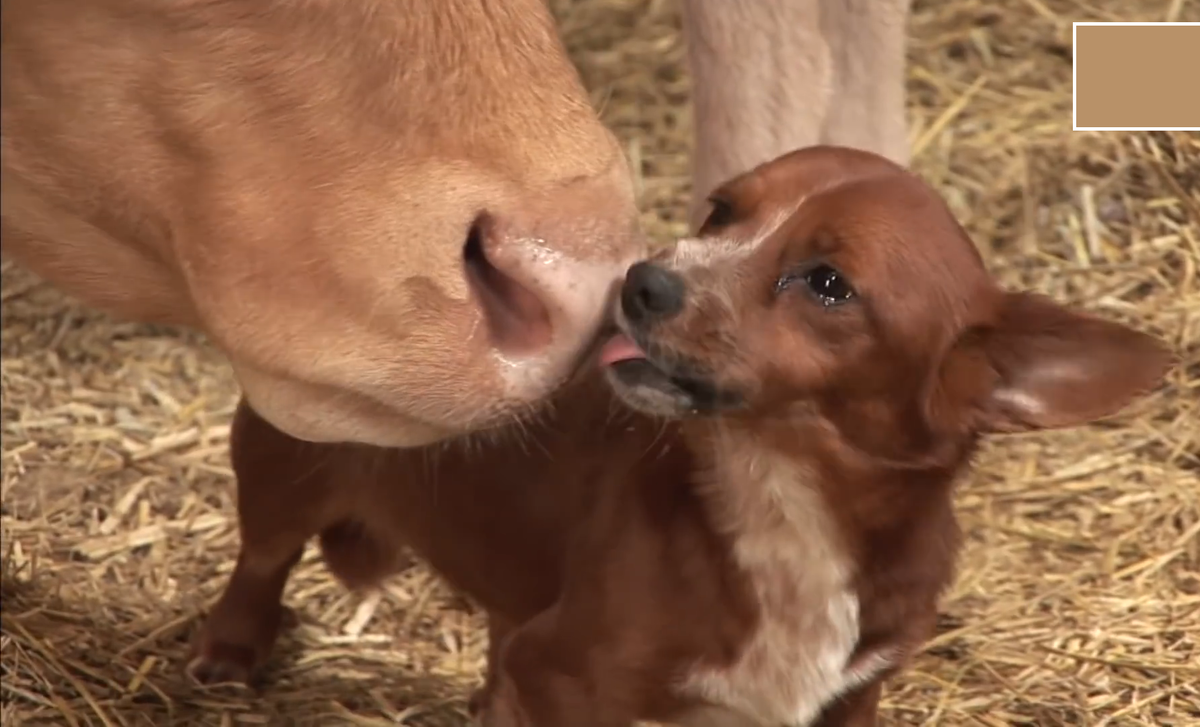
(221, 663)
(219, 659)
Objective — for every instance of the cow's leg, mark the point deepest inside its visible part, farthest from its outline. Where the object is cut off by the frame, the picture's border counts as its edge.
(770, 76)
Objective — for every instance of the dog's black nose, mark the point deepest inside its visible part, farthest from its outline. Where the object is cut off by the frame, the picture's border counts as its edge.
(651, 292)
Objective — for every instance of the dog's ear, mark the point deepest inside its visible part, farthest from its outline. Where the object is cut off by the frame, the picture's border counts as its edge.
(1042, 366)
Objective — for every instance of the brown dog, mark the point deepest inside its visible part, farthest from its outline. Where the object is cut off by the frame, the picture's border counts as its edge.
(757, 533)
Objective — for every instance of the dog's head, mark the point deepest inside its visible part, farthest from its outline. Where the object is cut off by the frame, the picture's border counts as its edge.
(830, 282)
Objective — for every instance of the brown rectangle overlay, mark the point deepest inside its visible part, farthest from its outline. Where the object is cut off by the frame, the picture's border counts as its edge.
(1137, 75)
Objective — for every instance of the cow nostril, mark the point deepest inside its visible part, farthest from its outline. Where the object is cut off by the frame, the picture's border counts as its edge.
(516, 318)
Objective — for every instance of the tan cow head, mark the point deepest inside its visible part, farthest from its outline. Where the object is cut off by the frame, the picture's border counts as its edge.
(400, 220)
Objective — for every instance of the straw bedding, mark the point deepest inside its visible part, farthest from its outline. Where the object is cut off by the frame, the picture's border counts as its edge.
(1078, 601)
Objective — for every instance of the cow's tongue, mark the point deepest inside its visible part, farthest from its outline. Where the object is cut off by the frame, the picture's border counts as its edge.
(620, 348)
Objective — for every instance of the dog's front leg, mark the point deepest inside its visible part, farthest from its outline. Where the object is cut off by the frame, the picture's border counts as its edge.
(858, 708)
(547, 677)
(498, 629)
(283, 500)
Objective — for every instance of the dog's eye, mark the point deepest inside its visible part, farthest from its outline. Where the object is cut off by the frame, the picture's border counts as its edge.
(721, 215)
(823, 281)
(828, 285)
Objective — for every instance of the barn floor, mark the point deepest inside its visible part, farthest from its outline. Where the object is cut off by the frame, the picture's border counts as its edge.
(1078, 601)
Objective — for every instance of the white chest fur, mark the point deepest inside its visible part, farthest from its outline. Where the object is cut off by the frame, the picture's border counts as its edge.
(785, 540)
